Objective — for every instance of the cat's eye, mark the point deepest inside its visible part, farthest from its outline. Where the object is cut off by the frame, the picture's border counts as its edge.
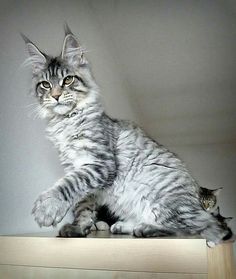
(46, 84)
(68, 80)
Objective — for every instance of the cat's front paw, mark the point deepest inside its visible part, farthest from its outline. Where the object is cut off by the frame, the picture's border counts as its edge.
(49, 209)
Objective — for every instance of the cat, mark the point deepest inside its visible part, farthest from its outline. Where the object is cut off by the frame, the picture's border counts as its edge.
(105, 219)
(224, 222)
(108, 161)
(208, 198)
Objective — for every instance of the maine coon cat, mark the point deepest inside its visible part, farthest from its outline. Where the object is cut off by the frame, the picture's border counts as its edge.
(208, 198)
(108, 161)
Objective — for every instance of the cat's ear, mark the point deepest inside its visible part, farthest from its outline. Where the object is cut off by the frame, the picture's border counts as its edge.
(217, 191)
(72, 52)
(228, 219)
(37, 59)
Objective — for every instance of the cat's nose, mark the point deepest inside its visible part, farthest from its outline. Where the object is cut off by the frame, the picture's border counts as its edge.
(56, 93)
(56, 97)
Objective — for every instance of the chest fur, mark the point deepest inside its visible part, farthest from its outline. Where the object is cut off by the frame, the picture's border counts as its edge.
(63, 135)
(69, 138)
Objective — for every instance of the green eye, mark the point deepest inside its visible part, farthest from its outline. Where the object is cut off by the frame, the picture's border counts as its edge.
(68, 80)
(46, 84)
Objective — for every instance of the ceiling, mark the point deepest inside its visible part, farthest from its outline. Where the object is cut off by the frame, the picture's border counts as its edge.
(178, 62)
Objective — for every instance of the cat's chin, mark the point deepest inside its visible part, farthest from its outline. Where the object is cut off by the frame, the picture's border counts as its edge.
(62, 109)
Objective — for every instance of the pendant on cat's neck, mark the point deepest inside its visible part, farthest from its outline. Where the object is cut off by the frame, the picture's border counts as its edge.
(74, 113)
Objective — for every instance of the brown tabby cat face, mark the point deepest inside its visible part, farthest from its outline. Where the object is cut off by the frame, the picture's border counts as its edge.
(208, 198)
(208, 202)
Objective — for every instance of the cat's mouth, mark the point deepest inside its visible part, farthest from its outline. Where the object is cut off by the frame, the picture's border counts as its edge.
(63, 107)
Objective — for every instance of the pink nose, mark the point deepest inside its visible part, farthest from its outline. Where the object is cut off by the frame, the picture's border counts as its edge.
(56, 97)
(56, 93)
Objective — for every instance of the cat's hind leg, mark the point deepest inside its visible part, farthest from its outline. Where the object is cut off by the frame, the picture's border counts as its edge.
(122, 227)
(84, 218)
(80, 227)
(100, 226)
(215, 234)
(149, 230)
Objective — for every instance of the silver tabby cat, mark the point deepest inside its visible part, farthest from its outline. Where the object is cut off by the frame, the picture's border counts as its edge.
(108, 161)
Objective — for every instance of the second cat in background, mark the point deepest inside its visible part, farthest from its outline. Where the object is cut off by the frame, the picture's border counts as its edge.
(209, 198)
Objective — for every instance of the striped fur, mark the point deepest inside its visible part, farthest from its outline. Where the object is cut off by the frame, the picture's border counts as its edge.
(113, 161)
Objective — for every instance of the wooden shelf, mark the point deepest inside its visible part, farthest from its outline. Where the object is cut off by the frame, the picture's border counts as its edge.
(113, 256)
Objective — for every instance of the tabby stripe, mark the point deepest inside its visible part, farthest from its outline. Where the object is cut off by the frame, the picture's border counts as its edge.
(99, 171)
(56, 69)
(81, 80)
(84, 173)
(68, 192)
(64, 72)
(86, 179)
(97, 154)
(60, 188)
(70, 184)
(85, 206)
(159, 178)
(88, 171)
(50, 71)
(165, 185)
(162, 165)
(92, 139)
(80, 90)
(173, 189)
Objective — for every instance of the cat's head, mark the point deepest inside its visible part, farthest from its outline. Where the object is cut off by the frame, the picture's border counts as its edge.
(61, 83)
(208, 198)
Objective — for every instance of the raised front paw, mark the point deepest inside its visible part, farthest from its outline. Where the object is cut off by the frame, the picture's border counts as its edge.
(49, 209)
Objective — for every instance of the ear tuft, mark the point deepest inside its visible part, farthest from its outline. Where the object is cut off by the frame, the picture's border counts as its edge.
(26, 39)
(72, 52)
(36, 58)
(67, 30)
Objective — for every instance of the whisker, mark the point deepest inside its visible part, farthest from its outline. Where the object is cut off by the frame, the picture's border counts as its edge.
(33, 112)
(31, 105)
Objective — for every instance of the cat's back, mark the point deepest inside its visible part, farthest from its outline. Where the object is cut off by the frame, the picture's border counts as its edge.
(134, 144)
